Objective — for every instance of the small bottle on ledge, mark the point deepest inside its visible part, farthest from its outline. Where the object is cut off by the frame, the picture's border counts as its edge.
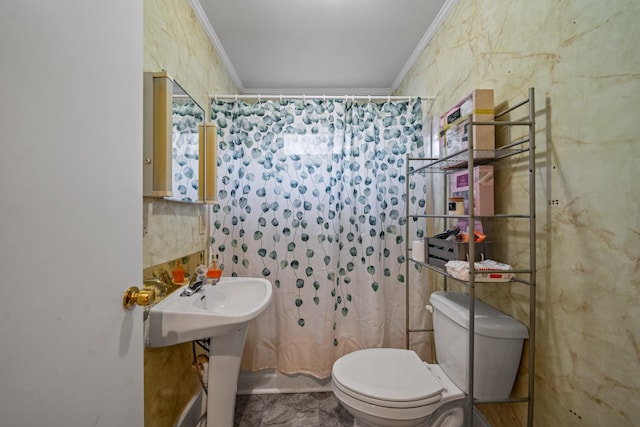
(178, 273)
(214, 272)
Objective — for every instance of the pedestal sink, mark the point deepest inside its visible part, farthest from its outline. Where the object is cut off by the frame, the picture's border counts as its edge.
(222, 314)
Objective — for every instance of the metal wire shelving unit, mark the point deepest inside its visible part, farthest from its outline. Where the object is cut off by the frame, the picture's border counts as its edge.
(524, 145)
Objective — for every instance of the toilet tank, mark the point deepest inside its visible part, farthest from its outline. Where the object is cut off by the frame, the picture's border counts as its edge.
(498, 342)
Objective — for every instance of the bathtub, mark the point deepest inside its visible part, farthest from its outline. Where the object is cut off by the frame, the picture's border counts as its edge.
(269, 381)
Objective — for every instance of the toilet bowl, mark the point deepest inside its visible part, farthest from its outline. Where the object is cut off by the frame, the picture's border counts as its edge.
(387, 387)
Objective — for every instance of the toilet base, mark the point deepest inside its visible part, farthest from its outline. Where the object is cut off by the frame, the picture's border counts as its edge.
(451, 414)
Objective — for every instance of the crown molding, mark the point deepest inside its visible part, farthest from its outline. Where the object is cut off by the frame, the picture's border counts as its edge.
(320, 91)
(428, 35)
(226, 62)
(206, 25)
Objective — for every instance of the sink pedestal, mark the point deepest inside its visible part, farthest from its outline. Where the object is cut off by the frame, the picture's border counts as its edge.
(225, 354)
(221, 313)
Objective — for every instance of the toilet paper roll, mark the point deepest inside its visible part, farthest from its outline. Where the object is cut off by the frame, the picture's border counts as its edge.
(417, 250)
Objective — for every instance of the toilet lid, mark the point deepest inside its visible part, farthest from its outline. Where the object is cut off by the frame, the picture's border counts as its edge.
(387, 374)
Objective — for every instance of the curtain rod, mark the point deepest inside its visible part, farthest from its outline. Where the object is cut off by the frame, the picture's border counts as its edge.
(260, 97)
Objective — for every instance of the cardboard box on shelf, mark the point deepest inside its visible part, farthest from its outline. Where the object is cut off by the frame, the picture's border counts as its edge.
(455, 128)
(482, 189)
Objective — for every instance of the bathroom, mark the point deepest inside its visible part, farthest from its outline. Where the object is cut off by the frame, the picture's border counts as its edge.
(575, 295)
(586, 72)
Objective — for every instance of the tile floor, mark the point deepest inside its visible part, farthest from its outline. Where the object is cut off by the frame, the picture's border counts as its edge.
(291, 410)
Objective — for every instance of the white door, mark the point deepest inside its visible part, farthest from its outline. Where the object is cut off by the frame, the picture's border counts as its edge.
(70, 212)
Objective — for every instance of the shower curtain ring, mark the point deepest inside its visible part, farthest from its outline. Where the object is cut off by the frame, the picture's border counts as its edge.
(259, 97)
(236, 97)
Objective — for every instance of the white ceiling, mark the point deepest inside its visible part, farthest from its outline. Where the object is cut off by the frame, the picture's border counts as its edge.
(332, 47)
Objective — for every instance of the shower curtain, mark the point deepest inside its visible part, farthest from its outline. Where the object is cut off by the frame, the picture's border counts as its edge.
(311, 197)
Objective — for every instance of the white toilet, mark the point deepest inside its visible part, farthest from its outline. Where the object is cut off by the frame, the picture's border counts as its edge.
(386, 387)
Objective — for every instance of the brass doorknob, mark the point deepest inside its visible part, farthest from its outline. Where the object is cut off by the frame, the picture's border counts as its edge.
(133, 296)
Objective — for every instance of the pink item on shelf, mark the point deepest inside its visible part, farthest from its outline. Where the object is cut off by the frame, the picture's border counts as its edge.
(482, 187)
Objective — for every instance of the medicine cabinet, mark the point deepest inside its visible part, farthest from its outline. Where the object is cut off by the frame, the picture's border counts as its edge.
(179, 146)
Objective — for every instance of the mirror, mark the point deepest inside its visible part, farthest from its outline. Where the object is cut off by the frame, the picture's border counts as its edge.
(177, 149)
(186, 126)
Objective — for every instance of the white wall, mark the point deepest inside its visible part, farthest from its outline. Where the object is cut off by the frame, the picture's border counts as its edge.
(71, 212)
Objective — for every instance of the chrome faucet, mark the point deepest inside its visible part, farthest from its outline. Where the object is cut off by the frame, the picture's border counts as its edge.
(192, 288)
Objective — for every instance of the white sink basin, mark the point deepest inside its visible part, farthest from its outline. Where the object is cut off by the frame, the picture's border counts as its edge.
(210, 312)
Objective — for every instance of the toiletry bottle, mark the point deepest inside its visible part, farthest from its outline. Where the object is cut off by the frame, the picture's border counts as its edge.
(178, 273)
(214, 271)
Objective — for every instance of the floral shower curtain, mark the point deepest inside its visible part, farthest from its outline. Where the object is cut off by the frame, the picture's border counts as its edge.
(311, 197)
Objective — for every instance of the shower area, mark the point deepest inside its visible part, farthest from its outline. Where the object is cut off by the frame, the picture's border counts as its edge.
(311, 196)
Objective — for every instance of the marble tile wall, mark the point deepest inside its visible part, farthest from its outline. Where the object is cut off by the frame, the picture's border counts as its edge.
(175, 41)
(582, 59)
(170, 380)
